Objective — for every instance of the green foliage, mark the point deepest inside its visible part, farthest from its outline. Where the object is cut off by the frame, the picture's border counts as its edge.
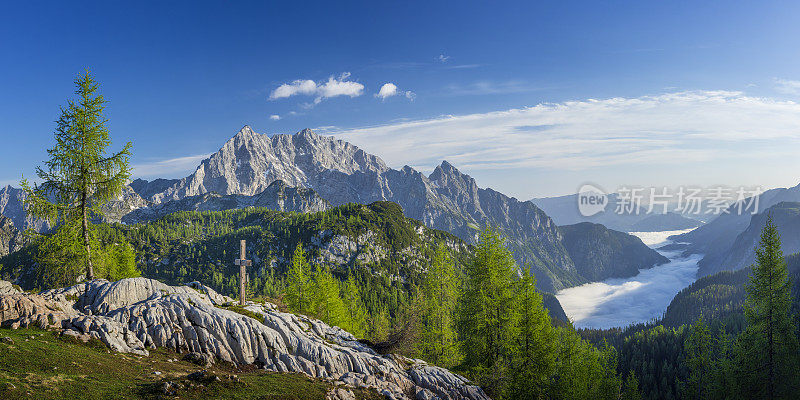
(630, 390)
(440, 293)
(583, 370)
(298, 286)
(487, 320)
(767, 349)
(80, 176)
(534, 361)
(698, 360)
(351, 296)
(326, 301)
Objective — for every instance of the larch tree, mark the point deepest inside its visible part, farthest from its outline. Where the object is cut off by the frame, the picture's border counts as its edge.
(298, 293)
(488, 314)
(440, 291)
(351, 295)
(767, 348)
(326, 302)
(535, 348)
(80, 175)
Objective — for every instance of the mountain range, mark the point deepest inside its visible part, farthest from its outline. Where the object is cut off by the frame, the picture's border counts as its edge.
(719, 239)
(564, 211)
(309, 172)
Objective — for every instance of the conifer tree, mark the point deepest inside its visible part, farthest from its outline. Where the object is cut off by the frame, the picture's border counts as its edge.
(535, 348)
(298, 293)
(488, 314)
(326, 303)
(767, 348)
(698, 360)
(630, 390)
(440, 290)
(79, 176)
(351, 295)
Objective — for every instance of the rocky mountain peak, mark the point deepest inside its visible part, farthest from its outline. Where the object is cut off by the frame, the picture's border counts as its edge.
(447, 175)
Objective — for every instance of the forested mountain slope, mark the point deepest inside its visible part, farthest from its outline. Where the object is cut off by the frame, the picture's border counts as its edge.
(600, 253)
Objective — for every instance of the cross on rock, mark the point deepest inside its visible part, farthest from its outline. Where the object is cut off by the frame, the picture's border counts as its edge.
(243, 263)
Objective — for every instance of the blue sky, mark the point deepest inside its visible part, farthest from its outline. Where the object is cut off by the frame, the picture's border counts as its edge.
(531, 98)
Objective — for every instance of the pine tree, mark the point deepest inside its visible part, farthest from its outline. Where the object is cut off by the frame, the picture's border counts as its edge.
(298, 293)
(535, 348)
(698, 360)
(767, 348)
(487, 321)
(80, 176)
(440, 290)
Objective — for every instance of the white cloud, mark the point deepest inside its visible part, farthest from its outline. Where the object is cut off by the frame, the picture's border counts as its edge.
(306, 87)
(442, 58)
(787, 86)
(333, 87)
(641, 135)
(387, 90)
(390, 89)
(173, 167)
(275, 117)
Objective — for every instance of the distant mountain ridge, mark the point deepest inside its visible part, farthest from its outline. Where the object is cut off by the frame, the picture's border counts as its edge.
(564, 211)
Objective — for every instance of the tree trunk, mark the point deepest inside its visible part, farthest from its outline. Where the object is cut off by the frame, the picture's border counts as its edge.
(85, 228)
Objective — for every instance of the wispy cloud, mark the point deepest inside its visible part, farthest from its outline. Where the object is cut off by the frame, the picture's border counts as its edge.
(442, 58)
(463, 66)
(787, 86)
(670, 129)
(490, 87)
(333, 87)
(172, 167)
(275, 117)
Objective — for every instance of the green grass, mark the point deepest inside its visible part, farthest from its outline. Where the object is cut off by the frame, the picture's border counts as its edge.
(40, 365)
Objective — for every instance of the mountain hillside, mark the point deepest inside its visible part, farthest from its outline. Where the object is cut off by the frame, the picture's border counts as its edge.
(600, 253)
(716, 238)
(277, 196)
(342, 173)
(785, 215)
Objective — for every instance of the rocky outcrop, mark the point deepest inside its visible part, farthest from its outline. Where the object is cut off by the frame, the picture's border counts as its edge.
(277, 196)
(12, 206)
(134, 315)
(11, 239)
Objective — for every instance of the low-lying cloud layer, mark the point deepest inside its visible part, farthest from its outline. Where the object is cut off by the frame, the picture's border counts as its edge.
(621, 302)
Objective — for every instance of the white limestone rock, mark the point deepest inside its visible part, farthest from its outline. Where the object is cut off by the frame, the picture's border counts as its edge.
(137, 314)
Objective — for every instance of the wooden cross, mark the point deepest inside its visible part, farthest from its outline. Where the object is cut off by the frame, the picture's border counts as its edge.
(242, 262)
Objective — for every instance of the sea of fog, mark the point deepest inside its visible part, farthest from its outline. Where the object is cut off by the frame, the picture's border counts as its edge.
(620, 302)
